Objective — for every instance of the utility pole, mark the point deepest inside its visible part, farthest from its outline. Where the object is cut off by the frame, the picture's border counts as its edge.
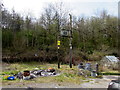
(58, 40)
(70, 38)
(58, 54)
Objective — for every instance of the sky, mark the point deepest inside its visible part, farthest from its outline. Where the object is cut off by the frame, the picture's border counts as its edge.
(85, 8)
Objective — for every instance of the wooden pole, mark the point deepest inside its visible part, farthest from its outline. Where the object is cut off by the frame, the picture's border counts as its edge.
(58, 39)
(70, 62)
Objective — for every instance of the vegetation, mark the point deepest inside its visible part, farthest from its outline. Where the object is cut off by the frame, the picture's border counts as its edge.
(93, 37)
(66, 74)
(110, 73)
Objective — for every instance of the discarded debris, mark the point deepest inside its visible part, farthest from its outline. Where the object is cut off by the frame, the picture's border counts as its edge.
(26, 75)
(11, 78)
(19, 75)
(5, 77)
(81, 66)
(88, 66)
(93, 73)
(86, 70)
(51, 70)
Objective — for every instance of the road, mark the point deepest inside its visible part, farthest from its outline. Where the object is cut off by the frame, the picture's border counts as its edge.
(99, 83)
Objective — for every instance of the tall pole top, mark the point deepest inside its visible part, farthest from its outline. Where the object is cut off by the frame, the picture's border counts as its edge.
(70, 25)
(70, 19)
(70, 15)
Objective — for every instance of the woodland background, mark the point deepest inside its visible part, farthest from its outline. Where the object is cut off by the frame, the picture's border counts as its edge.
(25, 38)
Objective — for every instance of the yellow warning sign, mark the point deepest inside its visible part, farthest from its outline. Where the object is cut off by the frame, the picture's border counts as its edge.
(58, 43)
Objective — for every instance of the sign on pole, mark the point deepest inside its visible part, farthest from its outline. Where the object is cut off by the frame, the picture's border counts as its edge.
(58, 43)
(65, 33)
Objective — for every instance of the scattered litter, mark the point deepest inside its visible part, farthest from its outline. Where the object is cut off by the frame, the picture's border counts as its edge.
(88, 66)
(26, 78)
(11, 78)
(51, 70)
(37, 72)
(26, 75)
(32, 76)
(93, 73)
(81, 66)
(19, 75)
(5, 77)
(86, 70)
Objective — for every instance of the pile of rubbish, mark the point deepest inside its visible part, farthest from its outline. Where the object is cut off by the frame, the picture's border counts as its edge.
(87, 69)
(26, 75)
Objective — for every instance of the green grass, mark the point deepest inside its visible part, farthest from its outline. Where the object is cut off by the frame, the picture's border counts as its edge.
(9, 72)
(109, 73)
(67, 74)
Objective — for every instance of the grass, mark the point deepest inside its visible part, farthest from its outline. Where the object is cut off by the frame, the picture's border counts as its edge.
(110, 72)
(68, 75)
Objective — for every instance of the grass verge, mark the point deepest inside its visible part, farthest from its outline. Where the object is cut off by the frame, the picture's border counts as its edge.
(67, 75)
